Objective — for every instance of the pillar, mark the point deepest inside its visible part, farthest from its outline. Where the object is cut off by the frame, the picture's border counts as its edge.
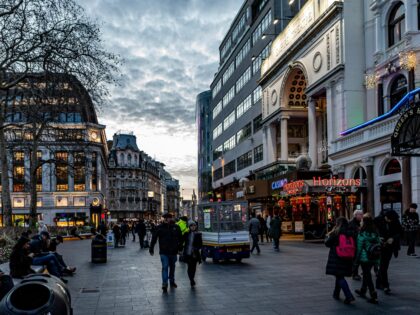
(284, 154)
(370, 189)
(406, 182)
(378, 33)
(312, 133)
(71, 171)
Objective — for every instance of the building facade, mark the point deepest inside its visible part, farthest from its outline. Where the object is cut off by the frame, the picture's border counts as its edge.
(173, 196)
(204, 158)
(54, 119)
(236, 95)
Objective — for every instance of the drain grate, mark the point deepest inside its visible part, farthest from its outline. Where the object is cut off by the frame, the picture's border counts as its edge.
(86, 290)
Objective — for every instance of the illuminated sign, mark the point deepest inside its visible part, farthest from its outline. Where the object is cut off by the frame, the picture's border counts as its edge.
(150, 194)
(337, 182)
(405, 139)
(278, 184)
(294, 187)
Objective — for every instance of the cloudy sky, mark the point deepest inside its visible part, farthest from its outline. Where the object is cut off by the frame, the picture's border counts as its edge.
(170, 49)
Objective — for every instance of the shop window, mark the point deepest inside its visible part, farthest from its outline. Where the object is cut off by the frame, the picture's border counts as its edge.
(396, 24)
(392, 167)
(398, 89)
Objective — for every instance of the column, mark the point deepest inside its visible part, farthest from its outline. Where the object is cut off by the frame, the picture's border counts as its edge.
(410, 16)
(27, 168)
(312, 133)
(269, 145)
(406, 182)
(284, 154)
(370, 177)
(378, 33)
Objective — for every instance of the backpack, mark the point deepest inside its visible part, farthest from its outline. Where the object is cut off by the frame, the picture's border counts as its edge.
(346, 248)
(373, 251)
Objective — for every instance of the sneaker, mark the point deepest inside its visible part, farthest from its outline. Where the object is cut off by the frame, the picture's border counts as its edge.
(373, 298)
(413, 255)
(173, 285)
(360, 293)
(349, 300)
(357, 277)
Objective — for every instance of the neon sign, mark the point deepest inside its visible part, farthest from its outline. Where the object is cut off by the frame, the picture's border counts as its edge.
(278, 184)
(338, 182)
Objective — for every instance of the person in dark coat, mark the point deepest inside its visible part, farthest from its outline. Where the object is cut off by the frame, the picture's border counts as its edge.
(170, 244)
(355, 225)
(410, 222)
(192, 250)
(117, 234)
(141, 232)
(390, 230)
(275, 229)
(263, 228)
(6, 284)
(337, 266)
(20, 262)
(124, 231)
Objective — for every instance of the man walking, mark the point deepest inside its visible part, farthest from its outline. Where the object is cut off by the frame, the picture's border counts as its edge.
(275, 229)
(141, 232)
(254, 230)
(354, 225)
(170, 244)
(410, 223)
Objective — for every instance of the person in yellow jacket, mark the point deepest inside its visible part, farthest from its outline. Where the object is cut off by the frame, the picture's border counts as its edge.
(183, 225)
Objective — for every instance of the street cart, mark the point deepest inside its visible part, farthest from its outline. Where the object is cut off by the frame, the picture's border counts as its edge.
(224, 230)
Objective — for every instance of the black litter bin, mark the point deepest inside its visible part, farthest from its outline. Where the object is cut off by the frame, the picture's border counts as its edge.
(99, 249)
(38, 294)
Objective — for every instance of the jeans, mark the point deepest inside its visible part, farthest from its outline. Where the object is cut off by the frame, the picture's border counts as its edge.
(341, 284)
(192, 266)
(255, 243)
(53, 265)
(411, 239)
(382, 280)
(367, 278)
(168, 264)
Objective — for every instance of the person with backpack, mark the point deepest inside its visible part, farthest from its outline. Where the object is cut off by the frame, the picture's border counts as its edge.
(368, 255)
(410, 222)
(340, 258)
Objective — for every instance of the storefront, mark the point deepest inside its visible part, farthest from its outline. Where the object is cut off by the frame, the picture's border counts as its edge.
(70, 219)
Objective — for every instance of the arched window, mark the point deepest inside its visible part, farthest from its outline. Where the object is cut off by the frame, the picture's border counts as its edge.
(129, 159)
(396, 24)
(121, 159)
(398, 89)
(360, 173)
(392, 167)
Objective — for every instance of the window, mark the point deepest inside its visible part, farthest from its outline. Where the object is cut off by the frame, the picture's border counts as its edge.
(18, 171)
(228, 96)
(396, 24)
(237, 31)
(230, 168)
(226, 48)
(259, 30)
(39, 172)
(217, 109)
(257, 94)
(229, 143)
(228, 73)
(218, 152)
(94, 172)
(61, 171)
(244, 133)
(217, 131)
(257, 123)
(245, 77)
(62, 201)
(229, 120)
(79, 171)
(244, 160)
(79, 201)
(258, 153)
(243, 107)
(256, 64)
(398, 89)
(392, 167)
(18, 202)
(218, 174)
(217, 88)
(243, 52)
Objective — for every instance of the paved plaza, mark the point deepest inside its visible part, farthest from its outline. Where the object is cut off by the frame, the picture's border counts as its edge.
(290, 282)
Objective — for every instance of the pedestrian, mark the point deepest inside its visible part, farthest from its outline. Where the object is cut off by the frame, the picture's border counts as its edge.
(74, 231)
(368, 255)
(42, 227)
(141, 232)
(102, 228)
(254, 230)
(124, 232)
(354, 224)
(338, 265)
(275, 229)
(133, 230)
(267, 228)
(410, 224)
(192, 250)
(170, 244)
(263, 227)
(390, 229)
(117, 234)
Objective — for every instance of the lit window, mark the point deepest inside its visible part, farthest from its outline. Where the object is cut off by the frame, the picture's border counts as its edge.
(61, 201)
(396, 24)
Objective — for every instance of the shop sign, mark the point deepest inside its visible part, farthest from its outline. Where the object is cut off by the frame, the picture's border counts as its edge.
(278, 184)
(294, 187)
(405, 140)
(336, 182)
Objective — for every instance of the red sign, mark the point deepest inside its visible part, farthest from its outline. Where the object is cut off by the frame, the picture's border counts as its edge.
(338, 182)
(294, 187)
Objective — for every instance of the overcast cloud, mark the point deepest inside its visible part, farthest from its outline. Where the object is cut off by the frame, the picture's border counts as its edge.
(170, 48)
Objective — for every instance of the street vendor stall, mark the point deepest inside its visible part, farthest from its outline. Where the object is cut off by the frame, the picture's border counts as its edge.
(223, 226)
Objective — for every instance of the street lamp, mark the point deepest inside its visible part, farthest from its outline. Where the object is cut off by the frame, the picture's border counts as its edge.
(264, 36)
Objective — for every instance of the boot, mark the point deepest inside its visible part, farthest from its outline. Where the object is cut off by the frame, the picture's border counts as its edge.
(373, 297)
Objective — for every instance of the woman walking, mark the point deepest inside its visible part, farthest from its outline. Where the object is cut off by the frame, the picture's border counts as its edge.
(368, 255)
(340, 259)
(192, 250)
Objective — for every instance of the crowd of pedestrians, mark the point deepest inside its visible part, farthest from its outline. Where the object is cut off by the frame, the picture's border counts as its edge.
(369, 243)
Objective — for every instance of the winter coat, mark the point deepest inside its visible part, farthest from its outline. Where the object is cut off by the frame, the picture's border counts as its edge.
(38, 245)
(410, 221)
(263, 226)
(337, 266)
(141, 228)
(364, 241)
(275, 227)
(355, 226)
(196, 246)
(124, 229)
(117, 231)
(389, 230)
(254, 226)
(170, 239)
(20, 263)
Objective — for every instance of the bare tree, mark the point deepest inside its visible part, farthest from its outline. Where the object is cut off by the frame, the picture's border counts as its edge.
(46, 38)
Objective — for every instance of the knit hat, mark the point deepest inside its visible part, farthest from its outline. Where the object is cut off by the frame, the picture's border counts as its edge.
(191, 222)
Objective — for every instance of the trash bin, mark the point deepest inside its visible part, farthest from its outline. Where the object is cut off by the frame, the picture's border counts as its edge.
(38, 294)
(99, 246)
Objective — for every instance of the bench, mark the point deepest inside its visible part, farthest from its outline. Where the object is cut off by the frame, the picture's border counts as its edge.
(6, 270)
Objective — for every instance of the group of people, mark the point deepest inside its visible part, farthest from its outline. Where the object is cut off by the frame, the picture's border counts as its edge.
(123, 230)
(368, 243)
(270, 227)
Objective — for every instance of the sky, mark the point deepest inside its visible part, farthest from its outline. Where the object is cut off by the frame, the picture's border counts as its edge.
(170, 50)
